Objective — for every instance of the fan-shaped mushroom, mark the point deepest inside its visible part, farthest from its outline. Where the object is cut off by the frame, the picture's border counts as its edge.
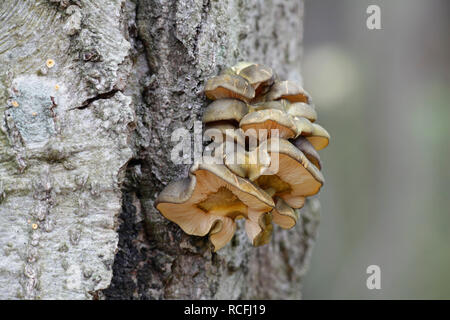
(260, 77)
(307, 148)
(229, 86)
(295, 178)
(301, 109)
(225, 110)
(319, 137)
(210, 200)
(283, 215)
(269, 119)
(288, 90)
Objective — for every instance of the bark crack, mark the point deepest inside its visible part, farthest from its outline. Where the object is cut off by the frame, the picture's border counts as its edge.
(100, 96)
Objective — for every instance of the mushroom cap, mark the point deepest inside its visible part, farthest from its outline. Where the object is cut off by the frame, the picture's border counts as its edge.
(225, 109)
(301, 109)
(228, 129)
(260, 77)
(259, 228)
(276, 104)
(288, 90)
(319, 137)
(296, 177)
(211, 195)
(229, 86)
(283, 215)
(239, 66)
(309, 151)
(246, 164)
(303, 126)
(270, 119)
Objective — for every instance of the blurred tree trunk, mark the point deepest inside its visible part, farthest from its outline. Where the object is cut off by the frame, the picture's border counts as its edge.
(85, 147)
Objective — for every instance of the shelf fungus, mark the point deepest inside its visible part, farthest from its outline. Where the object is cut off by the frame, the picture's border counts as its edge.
(264, 142)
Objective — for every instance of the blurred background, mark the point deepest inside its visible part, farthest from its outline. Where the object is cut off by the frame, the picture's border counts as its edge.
(384, 97)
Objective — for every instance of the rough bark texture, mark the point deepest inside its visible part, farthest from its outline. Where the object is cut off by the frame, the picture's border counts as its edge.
(85, 147)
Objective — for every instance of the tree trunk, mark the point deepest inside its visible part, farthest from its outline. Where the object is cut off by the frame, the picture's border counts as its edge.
(90, 92)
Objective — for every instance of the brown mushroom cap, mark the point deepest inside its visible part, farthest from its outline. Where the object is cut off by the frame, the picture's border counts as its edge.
(229, 86)
(319, 137)
(296, 177)
(270, 119)
(288, 90)
(225, 109)
(207, 201)
(283, 215)
(307, 148)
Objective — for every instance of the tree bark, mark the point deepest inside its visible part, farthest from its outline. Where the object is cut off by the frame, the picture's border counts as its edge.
(86, 142)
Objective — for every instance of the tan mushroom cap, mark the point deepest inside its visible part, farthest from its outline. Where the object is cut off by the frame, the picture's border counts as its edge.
(225, 109)
(239, 66)
(303, 126)
(210, 200)
(229, 86)
(228, 130)
(288, 90)
(307, 148)
(319, 137)
(260, 77)
(269, 119)
(259, 228)
(246, 164)
(283, 215)
(301, 109)
(296, 177)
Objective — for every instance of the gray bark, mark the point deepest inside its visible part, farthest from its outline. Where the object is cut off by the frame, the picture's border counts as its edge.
(80, 166)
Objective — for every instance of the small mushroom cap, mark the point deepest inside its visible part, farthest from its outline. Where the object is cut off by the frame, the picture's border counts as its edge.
(260, 77)
(296, 177)
(229, 86)
(225, 109)
(288, 90)
(236, 69)
(269, 119)
(303, 125)
(301, 109)
(228, 130)
(259, 228)
(307, 148)
(283, 215)
(319, 137)
(277, 105)
(222, 233)
(246, 164)
(211, 193)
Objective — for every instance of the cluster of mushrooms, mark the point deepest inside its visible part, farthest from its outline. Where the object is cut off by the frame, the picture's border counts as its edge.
(250, 99)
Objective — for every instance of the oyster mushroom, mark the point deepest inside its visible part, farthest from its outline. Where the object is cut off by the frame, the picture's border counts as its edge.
(260, 77)
(291, 176)
(269, 119)
(288, 90)
(308, 150)
(229, 86)
(211, 199)
(319, 137)
(225, 110)
(301, 109)
(283, 215)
